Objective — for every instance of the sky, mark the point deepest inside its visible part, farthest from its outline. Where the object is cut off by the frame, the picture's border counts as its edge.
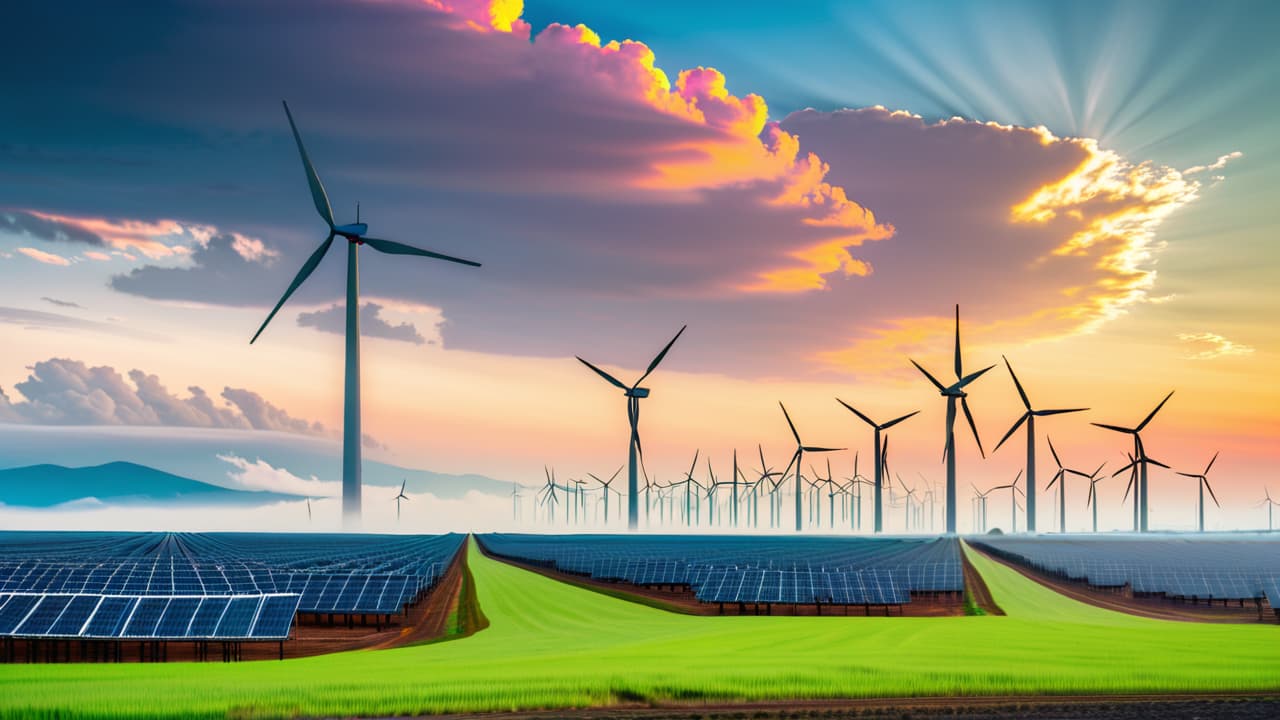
(810, 188)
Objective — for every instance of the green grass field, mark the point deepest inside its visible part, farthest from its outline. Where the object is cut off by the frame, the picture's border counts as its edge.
(551, 645)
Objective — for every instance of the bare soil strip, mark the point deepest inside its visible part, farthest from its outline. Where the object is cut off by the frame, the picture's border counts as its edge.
(976, 589)
(1080, 707)
(1156, 608)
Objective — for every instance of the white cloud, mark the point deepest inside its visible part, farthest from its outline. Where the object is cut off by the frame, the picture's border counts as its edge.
(44, 257)
(1207, 346)
(261, 475)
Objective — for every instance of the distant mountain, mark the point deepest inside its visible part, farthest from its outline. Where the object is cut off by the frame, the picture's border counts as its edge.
(193, 453)
(117, 483)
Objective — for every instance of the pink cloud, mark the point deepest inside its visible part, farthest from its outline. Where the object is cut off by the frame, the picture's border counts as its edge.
(44, 257)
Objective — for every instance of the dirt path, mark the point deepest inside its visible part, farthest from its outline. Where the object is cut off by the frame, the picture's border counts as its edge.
(1155, 609)
(976, 587)
(429, 620)
(1075, 707)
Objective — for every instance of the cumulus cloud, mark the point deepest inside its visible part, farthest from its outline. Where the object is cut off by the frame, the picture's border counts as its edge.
(61, 391)
(333, 319)
(221, 269)
(1207, 346)
(47, 258)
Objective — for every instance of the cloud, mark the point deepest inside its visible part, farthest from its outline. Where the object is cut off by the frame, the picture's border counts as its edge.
(61, 391)
(333, 320)
(1209, 346)
(44, 257)
(604, 195)
(62, 303)
(40, 320)
(1218, 164)
(44, 227)
(260, 475)
(220, 269)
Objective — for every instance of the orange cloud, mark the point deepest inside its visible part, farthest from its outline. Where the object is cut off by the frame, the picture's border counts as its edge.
(740, 149)
(44, 257)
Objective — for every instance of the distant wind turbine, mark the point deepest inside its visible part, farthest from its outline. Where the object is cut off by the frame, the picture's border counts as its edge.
(1271, 504)
(1013, 500)
(1093, 494)
(797, 459)
(879, 471)
(605, 485)
(1140, 505)
(399, 498)
(1203, 482)
(354, 234)
(634, 394)
(1029, 417)
(952, 393)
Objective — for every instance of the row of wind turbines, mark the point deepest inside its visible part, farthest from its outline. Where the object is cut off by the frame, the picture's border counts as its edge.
(846, 495)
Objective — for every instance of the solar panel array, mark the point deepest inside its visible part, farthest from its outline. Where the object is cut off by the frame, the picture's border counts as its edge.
(167, 586)
(790, 570)
(1235, 567)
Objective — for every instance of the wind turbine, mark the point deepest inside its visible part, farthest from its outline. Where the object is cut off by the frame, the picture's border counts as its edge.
(797, 459)
(910, 503)
(1060, 477)
(515, 502)
(308, 511)
(1013, 500)
(1271, 504)
(605, 486)
(953, 392)
(981, 497)
(398, 498)
(856, 482)
(1203, 482)
(1142, 460)
(1029, 417)
(634, 394)
(1093, 495)
(879, 478)
(354, 234)
(549, 497)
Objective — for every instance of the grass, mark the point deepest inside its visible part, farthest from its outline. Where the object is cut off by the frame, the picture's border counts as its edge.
(552, 645)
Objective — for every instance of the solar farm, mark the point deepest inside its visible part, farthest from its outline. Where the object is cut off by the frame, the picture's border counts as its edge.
(1241, 570)
(103, 589)
(762, 573)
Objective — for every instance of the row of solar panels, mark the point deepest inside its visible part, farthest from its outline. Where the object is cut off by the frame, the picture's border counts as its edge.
(1219, 569)
(372, 554)
(151, 617)
(866, 587)
(907, 564)
(329, 593)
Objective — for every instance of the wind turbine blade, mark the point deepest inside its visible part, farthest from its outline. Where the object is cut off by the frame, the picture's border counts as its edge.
(1042, 413)
(1155, 462)
(1056, 477)
(1211, 462)
(972, 376)
(1153, 412)
(1021, 393)
(808, 448)
(1095, 472)
(932, 379)
(1190, 475)
(616, 473)
(402, 484)
(1211, 493)
(1054, 451)
(392, 247)
(964, 405)
(608, 378)
(959, 371)
(789, 423)
(308, 267)
(1127, 488)
(658, 358)
(1116, 428)
(895, 421)
(318, 195)
(1012, 430)
(854, 410)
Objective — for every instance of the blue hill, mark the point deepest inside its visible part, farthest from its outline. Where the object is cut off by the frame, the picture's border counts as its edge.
(117, 483)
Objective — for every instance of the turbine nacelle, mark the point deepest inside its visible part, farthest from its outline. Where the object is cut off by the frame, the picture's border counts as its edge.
(637, 392)
(352, 231)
